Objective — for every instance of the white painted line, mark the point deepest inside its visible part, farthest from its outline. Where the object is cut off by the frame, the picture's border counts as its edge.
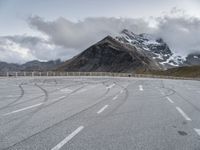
(82, 90)
(169, 99)
(141, 88)
(109, 87)
(183, 114)
(197, 131)
(58, 99)
(26, 108)
(67, 139)
(102, 109)
(61, 97)
(114, 98)
(65, 90)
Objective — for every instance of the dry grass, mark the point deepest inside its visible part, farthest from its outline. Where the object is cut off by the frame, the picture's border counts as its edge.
(193, 71)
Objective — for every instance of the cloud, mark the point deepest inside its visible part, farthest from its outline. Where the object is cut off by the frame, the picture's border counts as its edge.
(22, 48)
(66, 38)
(12, 51)
(81, 34)
(181, 32)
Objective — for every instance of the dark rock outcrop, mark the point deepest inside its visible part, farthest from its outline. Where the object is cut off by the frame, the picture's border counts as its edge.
(110, 55)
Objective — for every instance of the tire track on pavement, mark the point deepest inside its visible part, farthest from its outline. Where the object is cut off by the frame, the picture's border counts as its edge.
(100, 98)
(16, 100)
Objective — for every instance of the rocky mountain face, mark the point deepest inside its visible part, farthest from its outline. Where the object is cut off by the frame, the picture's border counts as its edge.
(129, 52)
(30, 66)
(158, 50)
(193, 59)
(111, 55)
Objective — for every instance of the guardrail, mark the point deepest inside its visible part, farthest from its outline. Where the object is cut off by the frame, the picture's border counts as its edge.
(50, 73)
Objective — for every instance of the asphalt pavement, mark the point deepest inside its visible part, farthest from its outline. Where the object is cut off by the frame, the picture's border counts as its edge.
(99, 113)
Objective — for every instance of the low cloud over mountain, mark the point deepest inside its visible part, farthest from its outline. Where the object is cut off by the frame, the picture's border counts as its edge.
(23, 48)
(66, 38)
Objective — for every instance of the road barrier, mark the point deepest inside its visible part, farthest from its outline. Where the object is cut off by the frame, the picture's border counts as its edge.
(112, 74)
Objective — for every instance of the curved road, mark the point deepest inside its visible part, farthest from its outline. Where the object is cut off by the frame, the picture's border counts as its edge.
(99, 113)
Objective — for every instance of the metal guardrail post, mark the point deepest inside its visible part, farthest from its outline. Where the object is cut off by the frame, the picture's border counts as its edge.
(111, 74)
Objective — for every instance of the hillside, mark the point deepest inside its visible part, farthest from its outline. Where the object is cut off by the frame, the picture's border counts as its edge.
(158, 49)
(110, 55)
(34, 65)
(187, 71)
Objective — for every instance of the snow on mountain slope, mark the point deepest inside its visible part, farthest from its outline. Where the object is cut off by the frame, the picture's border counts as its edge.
(154, 47)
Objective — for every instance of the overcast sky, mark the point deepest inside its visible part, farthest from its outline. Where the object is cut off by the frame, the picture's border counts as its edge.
(51, 29)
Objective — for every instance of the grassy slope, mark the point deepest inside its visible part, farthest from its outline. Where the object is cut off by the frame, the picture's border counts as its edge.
(193, 71)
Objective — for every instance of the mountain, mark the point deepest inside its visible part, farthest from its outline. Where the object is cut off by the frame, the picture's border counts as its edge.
(193, 59)
(111, 55)
(155, 48)
(127, 52)
(41, 66)
(158, 49)
(5, 67)
(30, 66)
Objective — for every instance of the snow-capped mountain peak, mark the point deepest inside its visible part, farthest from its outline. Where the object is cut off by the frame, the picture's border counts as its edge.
(155, 47)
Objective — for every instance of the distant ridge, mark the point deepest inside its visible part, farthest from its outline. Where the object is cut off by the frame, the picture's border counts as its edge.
(34, 65)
